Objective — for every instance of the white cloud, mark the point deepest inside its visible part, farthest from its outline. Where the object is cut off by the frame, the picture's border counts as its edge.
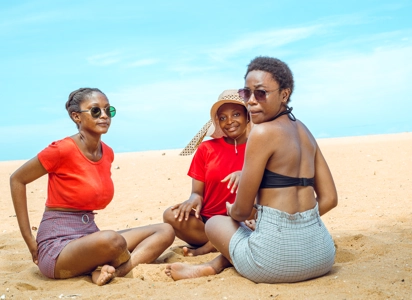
(263, 40)
(105, 59)
(143, 62)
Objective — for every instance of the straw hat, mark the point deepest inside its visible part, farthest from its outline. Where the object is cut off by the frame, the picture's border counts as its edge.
(227, 96)
(212, 128)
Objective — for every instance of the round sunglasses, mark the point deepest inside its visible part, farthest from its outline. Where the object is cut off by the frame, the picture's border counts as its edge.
(96, 111)
(260, 95)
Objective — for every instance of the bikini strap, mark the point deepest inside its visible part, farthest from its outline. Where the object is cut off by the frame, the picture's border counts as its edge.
(288, 111)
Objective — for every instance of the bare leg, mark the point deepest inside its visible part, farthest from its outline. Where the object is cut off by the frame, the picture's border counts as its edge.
(206, 248)
(145, 244)
(110, 249)
(191, 231)
(179, 271)
(220, 240)
(82, 256)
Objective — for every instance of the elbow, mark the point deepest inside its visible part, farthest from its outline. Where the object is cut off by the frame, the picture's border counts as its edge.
(12, 180)
(327, 203)
(238, 215)
(333, 201)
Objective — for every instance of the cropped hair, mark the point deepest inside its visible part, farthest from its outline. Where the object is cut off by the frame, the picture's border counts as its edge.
(278, 69)
(78, 96)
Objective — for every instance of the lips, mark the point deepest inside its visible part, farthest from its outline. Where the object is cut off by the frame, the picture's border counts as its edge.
(252, 112)
(231, 129)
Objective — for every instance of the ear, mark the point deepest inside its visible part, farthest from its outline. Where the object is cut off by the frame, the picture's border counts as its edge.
(75, 116)
(285, 95)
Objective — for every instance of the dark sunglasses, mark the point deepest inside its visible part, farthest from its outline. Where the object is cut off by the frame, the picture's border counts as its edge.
(96, 111)
(260, 95)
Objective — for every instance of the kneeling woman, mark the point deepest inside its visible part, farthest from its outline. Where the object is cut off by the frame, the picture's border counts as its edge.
(68, 242)
(287, 173)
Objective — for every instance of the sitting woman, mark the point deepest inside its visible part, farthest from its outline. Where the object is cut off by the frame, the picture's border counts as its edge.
(287, 173)
(215, 170)
(68, 241)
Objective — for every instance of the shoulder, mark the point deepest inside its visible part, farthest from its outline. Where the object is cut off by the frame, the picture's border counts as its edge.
(59, 145)
(207, 149)
(210, 144)
(51, 156)
(266, 131)
(108, 151)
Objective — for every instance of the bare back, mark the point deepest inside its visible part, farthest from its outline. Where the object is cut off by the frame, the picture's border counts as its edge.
(292, 153)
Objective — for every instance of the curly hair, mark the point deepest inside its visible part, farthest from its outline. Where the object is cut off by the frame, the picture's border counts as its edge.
(278, 69)
(78, 96)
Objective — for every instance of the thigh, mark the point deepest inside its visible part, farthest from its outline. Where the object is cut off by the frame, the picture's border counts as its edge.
(85, 254)
(134, 236)
(218, 237)
(191, 231)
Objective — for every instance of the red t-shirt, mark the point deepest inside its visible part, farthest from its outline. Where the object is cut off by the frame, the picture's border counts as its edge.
(213, 161)
(75, 181)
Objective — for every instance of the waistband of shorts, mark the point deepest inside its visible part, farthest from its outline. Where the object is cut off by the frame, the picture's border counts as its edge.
(299, 217)
(85, 216)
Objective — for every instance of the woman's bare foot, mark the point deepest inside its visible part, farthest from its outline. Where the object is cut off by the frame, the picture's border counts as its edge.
(206, 248)
(104, 275)
(179, 271)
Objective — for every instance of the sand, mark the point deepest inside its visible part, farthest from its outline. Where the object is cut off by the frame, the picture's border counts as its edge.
(371, 227)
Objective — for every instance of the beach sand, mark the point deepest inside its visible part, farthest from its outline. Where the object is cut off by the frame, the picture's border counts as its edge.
(371, 227)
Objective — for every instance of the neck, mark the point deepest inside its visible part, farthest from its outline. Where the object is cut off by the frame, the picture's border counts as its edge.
(90, 145)
(241, 139)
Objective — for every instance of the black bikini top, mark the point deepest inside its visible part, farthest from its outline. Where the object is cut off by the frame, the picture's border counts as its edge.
(275, 180)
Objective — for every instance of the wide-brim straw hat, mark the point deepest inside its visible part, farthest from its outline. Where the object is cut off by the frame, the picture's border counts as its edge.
(212, 127)
(227, 96)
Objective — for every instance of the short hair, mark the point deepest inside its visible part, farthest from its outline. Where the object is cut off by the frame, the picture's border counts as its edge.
(278, 69)
(78, 96)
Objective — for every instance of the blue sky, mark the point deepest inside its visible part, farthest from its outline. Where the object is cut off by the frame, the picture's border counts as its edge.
(162, 64)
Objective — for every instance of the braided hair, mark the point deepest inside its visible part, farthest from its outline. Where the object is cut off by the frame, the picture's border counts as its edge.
(77, 96)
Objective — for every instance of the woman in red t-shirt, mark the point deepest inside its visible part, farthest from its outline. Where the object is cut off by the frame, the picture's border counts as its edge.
(68, 242)
(215, 172)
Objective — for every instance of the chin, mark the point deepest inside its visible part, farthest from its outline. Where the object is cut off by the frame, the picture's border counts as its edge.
(257, 120)
(232, 135)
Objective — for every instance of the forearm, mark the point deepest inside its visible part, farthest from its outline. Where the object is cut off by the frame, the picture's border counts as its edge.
(240, 214)
(326, 205)
(19, 197)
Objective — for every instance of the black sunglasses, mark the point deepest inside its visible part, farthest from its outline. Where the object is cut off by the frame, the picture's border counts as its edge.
(260, 95)
(96, 111)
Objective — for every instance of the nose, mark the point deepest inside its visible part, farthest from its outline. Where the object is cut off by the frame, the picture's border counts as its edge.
(230, 120)
(251, 100)
(103, 113)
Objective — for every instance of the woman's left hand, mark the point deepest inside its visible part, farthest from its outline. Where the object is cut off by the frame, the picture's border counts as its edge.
(251, 224)
(228, 208)
(233, 179)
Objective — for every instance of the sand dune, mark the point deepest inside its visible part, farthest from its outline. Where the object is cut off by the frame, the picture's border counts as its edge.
(371, 228)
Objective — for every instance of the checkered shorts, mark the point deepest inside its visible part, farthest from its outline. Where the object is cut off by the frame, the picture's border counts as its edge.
(283, 248)
(56, 230)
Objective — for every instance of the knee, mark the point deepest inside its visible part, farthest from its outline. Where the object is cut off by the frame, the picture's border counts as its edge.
(113, 242)
(213, 225)
(168, 216)
(167, 232)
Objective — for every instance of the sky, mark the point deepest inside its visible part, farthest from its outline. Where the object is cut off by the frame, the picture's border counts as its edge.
(163, 64)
